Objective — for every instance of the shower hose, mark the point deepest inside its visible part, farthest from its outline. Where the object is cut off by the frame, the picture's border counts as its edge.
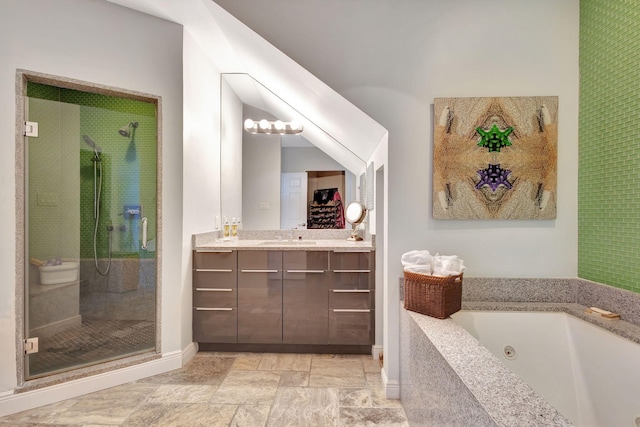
(97, 190)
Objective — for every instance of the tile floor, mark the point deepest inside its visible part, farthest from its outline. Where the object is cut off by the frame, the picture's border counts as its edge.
(236, 389)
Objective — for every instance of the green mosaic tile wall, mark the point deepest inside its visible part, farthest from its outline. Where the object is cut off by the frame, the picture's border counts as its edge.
(609, 172)
(128, 167)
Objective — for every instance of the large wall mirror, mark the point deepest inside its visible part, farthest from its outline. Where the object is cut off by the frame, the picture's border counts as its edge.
(270, 179)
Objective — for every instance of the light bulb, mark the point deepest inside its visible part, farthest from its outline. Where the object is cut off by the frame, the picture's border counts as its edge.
(295, 125)
(264, 124)
(249, 124)
(278, 125)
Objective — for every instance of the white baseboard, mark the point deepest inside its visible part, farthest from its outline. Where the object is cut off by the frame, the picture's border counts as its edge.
(391, 388)
(23, 401)
(189, 352)
(376, 350)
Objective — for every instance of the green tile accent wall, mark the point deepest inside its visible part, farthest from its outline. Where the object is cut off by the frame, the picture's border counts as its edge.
(128, 167)
(609, 163)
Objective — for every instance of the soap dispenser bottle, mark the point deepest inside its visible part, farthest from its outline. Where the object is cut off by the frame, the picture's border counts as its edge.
(225, 227)
(234, 228)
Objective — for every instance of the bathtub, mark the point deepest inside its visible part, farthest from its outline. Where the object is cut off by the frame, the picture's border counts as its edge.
(590, 375)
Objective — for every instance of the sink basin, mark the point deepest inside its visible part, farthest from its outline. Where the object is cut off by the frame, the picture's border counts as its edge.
(288, 243)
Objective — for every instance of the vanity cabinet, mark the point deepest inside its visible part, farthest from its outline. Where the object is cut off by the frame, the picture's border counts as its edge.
(352, 298)
(215, 291)
(244, 298)
(305, 301)
(259, 297)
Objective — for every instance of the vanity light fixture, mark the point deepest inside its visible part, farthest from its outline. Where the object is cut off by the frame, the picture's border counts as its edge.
(267, 127)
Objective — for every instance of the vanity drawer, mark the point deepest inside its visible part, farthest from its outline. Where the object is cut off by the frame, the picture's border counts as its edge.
(352, 261)
(222, 259)
(351, 326)
(351, 280)
(215, 297)
(260, 260)
(215, 278)
(351, 298)
(215, 325)
(300, 261)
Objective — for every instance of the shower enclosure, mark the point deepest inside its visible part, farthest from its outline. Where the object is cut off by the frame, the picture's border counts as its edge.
(90, 228)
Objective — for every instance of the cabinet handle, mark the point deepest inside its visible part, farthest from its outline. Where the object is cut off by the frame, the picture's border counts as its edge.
(215, 270)
(305, 271)
(213, 251)
(214, 290)
(213, 309)
(349, 310)
(259, 271)
(351, 291)
(346, 251)
(352, 271)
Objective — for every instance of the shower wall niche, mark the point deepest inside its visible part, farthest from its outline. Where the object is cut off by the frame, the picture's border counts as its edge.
(91, 188)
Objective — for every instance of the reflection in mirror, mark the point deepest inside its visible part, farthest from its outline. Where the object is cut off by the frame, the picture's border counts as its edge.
(272, 180)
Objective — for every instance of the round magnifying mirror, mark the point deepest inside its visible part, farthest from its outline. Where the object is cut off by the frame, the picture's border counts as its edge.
(355, 214)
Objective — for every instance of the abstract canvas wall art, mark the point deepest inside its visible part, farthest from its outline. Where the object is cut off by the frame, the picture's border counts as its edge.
(495, 158)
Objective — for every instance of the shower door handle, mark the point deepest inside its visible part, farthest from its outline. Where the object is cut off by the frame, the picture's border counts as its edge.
(144, 233)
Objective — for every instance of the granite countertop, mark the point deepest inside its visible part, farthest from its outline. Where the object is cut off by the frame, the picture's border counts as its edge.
(211, 241)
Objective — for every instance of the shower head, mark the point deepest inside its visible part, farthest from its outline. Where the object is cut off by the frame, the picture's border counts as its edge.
(92, 144)
(125, 130)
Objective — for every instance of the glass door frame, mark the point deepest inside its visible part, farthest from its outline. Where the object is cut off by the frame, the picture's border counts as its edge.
(23, 77)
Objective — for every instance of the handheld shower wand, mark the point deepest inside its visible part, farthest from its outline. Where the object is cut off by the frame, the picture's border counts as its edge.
(97, 190)
(96, 158)
(92, 144)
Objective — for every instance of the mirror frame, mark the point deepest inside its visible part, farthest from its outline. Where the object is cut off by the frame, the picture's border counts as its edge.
(359, 211)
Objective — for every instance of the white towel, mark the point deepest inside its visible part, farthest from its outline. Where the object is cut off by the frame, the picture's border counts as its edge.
(444, 265)
(418, 261)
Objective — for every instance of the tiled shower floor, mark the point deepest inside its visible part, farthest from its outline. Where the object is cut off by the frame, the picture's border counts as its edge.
(237, 389)
(92, 341)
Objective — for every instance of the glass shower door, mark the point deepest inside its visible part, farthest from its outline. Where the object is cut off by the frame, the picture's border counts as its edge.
(90, 291)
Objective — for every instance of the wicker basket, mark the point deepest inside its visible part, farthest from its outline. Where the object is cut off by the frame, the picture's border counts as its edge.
(434, 296)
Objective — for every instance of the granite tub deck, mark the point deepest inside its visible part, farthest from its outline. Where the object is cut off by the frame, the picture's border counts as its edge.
(448, 378)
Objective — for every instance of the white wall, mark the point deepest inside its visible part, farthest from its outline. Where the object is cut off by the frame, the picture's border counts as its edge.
(303, 159)
(231, 137)
(391, 59)
(260, 182)
(201, 159)
(98, 42)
